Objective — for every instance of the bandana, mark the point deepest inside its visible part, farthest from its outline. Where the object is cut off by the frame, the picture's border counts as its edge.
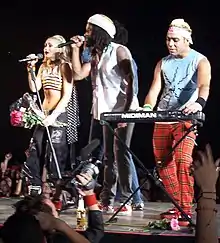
(177, 27)
(103, 22)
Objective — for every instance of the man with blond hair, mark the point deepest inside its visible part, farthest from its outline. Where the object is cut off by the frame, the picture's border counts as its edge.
(185, 75)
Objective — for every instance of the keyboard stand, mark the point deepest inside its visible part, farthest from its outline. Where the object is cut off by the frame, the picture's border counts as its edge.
(156, 180)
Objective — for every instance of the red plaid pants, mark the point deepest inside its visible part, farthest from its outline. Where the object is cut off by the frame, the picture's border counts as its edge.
(175, 174)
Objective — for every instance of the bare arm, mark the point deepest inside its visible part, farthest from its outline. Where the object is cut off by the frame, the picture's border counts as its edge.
(204, 78)
(155, 88)
(67, 76)
(125, 67)
(71, 234)
(203, 84)
(80, 71)
(37, 79)
(4, 164)
(206, 221)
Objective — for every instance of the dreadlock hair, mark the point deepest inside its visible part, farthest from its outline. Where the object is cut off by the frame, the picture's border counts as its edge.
(32, 205)
(100, 39)
(22, 226)
(121, 36)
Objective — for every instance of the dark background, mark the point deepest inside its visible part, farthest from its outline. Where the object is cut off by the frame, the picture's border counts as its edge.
(26, 25)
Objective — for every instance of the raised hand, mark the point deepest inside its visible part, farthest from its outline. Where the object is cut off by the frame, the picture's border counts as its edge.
(78, 41)
(47, 221)
(206, 170)
(8, 156)
(87, 184)
(32, 62)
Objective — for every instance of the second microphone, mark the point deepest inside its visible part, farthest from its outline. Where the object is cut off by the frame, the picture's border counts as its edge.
(82, 38)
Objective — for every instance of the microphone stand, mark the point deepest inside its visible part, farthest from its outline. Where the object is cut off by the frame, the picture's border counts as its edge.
(157, 181)
(46, 127)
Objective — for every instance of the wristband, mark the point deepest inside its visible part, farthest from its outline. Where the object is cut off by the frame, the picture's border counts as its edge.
(148, 106)
(90, 200)
(31, 67)
(201, 101)
(208, 195)
(58, 205)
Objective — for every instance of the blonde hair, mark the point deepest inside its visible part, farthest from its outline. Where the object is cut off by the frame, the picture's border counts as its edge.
(64, 54)
(180, 23)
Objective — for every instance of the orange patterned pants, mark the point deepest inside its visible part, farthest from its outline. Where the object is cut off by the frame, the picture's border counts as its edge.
(175, 175)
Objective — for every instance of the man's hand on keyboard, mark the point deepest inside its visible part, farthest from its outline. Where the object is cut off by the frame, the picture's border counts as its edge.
(192, 108)
(147, 107)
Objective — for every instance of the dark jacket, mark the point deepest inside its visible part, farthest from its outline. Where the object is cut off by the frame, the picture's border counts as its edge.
(93, 233)
(95, 230)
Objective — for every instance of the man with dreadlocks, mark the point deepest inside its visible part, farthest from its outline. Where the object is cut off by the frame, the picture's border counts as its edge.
(112, 81)
(185, 75)
(121, 37)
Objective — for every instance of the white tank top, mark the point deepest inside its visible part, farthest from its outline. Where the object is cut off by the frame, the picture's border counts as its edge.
(109, 88)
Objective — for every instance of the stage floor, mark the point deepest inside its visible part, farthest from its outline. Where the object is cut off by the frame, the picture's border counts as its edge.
(134, 224)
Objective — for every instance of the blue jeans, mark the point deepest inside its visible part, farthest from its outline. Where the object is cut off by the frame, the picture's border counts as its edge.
(116, 163)
(96, 133)
(135, 182)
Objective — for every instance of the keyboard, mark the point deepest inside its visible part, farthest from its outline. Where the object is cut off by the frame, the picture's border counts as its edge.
(151, 116)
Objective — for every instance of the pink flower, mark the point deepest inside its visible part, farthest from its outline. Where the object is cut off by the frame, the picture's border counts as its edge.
(16, 118)
(174, 224)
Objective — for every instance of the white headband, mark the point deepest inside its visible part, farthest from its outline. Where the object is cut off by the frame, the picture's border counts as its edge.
(176, 27)
(103, 22)
(183, 32)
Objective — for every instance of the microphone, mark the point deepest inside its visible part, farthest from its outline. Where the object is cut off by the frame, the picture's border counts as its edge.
(82, 38)
(38, 56)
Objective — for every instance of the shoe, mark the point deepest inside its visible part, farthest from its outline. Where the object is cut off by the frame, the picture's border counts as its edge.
(171, 213)
(138, 206)
(125, 211)
(71, 203)
(183, 221)
(107, 209)
(34, 190)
